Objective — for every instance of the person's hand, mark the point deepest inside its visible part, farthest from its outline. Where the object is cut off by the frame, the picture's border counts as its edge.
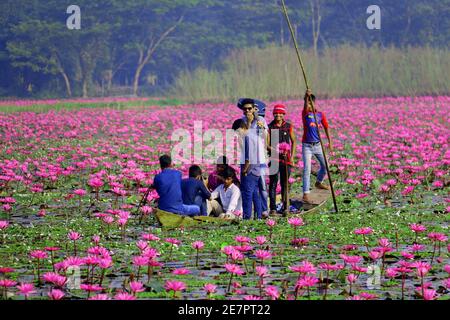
(260, 124)
(330, 146)
(308, 92)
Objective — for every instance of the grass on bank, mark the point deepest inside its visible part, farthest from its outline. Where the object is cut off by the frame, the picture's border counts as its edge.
(65, 106)
(347, 71)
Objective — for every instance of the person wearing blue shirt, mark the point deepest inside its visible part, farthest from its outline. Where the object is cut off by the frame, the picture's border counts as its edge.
(194, 189)
(168, 185)
(258, 124)
(252, 168)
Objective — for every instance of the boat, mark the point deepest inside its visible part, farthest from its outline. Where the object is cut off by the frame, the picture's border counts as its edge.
(172, 220)
(318, 198)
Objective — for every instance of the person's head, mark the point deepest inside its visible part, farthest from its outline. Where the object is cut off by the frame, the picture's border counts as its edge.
(227, 177)
(221, 164)
(165, 161)
(195, 172)
(308, 104)
(249, 108)
(279, 111)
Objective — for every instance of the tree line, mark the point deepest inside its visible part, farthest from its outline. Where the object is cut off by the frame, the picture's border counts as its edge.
(141, 46)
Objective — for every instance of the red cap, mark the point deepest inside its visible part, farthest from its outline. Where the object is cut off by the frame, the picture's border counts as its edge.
(279, 108)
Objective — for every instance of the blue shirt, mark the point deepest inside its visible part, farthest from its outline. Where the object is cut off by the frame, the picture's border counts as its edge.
(310, 132)
(192, 188)
(168, 185)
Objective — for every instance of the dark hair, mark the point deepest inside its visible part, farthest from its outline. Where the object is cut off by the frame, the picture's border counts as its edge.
(228, 173)
(165, 161)
(239, 123)
(195, 171)
(245, 101)
(222, 160)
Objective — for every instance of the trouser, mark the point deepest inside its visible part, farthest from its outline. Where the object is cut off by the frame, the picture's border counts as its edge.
(273, 181)
(263, 192)
(190, 210)
(251, 195)
(214, 208)
(308, 151)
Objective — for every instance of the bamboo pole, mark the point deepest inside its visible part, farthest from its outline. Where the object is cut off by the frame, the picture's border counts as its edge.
(309, 98)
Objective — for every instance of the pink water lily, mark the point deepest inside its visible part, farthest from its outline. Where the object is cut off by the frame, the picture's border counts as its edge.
(3, 224)
(38, 254)
(175, 286)
(63, 156)
(150, 237)
(305, 281)
(210, 288)
(305, 267)
(136, 287)
(26, 289)
(56, 294)
(124, 296)
(263, 255)
(272, 292)
(181, 271)
(55, 278)
(364, 231)
(197, 245)
(100, 297)
(242, 239)
(260, 240)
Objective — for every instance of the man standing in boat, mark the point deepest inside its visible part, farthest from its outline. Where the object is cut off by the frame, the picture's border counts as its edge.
(311, 145)
(285, 159)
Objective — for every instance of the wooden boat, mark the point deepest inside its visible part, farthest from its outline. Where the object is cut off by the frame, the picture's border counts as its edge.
(170, 220)
(318, 198)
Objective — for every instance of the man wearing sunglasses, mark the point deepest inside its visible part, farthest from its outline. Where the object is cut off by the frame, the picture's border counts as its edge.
(254, 177)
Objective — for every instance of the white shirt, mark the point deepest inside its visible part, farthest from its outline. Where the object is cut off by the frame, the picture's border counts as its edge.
(231, 198)
(257, 146)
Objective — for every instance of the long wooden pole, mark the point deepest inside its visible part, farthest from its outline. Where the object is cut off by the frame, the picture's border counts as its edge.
(302, 66)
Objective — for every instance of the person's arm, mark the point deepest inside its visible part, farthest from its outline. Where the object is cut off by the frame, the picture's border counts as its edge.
(246, 167)
(247, 155)
(215, 194)
(266, 134)
(327, 130)
(204, 191)
(308, 93)
(205, 181)
(155, 182)
(293, 145)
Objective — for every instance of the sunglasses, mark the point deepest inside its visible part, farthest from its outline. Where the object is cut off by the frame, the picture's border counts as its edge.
(247, 109)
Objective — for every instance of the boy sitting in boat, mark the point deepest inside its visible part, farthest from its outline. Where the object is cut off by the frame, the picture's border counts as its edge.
(230, 199)
(194, 191)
